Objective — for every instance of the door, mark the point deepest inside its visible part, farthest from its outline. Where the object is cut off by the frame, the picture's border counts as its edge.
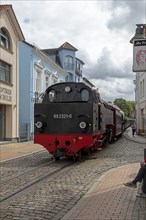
(2, 122)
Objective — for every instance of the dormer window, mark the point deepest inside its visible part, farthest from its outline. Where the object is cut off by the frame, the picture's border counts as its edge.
(5, 39)
(69, 63)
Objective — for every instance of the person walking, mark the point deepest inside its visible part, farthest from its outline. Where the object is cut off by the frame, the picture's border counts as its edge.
(140, 177)
(133, 130)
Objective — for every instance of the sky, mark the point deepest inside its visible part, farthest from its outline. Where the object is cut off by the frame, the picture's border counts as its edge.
(99, 29)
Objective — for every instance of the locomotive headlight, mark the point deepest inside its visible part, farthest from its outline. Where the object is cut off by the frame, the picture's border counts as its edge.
(39, 124)
(67, 89)
(82, 125)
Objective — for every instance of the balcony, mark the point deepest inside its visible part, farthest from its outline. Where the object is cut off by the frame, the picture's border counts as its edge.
(78, 72)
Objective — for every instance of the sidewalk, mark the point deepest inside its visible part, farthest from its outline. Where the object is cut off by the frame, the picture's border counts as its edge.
(109, 199)
(13, 150)
(137, 138)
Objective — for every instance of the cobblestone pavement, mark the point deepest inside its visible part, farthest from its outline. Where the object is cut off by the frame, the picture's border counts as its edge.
(55, 196)
(17, 166)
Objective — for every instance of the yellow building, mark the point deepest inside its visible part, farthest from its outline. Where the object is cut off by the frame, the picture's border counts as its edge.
(10, 35)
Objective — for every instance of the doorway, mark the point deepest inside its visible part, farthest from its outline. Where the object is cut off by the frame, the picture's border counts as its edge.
(2, 122)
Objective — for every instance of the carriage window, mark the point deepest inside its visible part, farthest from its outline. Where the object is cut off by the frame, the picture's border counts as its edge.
(85, 95)
(52, 96)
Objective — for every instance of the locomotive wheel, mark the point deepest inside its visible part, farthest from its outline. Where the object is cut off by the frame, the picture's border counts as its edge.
(74, 158)
(87, 152)
(77, 157)
(57, 158)
(110, 137)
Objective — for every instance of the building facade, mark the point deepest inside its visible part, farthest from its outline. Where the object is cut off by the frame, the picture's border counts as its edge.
(140, 102)
(65, 57)
(10, 35)
(37, 72)
(140, 82)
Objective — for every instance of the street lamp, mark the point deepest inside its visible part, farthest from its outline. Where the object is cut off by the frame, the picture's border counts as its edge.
(140, 32)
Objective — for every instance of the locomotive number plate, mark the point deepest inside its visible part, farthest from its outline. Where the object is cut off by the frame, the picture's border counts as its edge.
(62, 116)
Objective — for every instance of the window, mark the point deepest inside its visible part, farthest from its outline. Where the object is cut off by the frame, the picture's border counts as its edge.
(38, 82)
(85, 95)
(38, 66)
(4, 38)
(69, 65)
(47, 82)
(52, 95)
(55, 81)
(5, 72)
(55, 78)
(47, 78)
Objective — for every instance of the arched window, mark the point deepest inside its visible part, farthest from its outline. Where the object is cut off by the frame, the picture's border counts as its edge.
(5, 38)
(69, 63)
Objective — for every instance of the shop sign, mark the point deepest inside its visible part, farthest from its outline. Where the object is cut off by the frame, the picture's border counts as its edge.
(5, 94)
(139, 55)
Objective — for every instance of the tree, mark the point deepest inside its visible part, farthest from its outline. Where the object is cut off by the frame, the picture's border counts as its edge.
(126, 106)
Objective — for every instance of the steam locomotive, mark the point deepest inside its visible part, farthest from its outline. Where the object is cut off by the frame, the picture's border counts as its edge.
(71, 120)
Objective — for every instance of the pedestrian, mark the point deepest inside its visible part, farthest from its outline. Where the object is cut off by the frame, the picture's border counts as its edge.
(133, 130)
(140, 177)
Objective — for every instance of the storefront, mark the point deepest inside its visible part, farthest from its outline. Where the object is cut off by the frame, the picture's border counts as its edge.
(6, 112)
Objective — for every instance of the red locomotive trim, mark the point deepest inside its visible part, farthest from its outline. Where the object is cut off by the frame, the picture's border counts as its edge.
(70, 144)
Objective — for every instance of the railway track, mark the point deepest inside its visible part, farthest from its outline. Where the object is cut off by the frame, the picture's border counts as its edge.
(14, 176)
(15, 167)
(20, 183)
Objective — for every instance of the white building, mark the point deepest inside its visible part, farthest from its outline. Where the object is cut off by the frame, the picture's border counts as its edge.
(140, 102)
(140, 84)
(37, 72)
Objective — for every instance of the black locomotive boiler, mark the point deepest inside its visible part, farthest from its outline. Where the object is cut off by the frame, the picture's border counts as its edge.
(71, 120)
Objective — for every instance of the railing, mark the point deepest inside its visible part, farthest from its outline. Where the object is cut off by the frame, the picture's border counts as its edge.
(24, 132)
(38, 97)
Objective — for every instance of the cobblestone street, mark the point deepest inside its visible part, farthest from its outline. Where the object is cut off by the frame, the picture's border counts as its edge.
(53, 197)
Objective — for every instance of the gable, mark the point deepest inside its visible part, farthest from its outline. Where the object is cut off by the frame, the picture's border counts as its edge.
(67, 46)
(8, 10)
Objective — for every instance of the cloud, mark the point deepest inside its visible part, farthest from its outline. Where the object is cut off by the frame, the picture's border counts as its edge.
(115, 88)
(126, 13)
(109, 67)
(100, 30)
